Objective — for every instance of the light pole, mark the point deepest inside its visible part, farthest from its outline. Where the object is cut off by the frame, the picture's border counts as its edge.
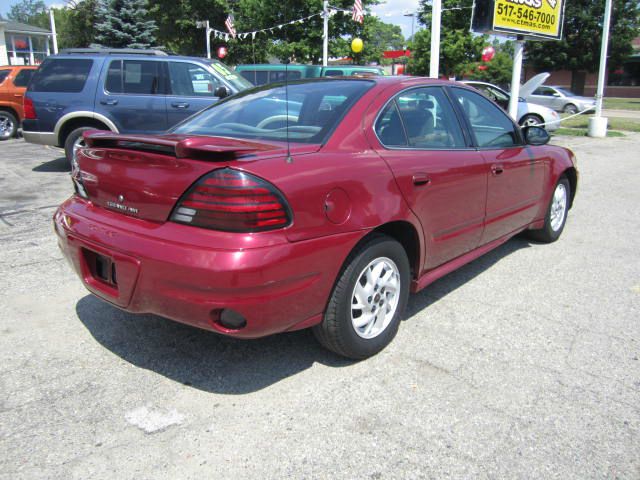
(598, 123)
(407, 13)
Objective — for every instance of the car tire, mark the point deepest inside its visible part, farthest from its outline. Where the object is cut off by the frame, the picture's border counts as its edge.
(570, 108)
(531, 120)
(376, 277)
(73, 142)
(556, 216)
(8, 125)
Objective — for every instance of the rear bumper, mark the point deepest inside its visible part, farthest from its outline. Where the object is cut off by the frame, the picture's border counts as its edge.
(276, 288)
(42, 138)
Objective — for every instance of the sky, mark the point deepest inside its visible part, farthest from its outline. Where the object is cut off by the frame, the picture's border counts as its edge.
(389, 11)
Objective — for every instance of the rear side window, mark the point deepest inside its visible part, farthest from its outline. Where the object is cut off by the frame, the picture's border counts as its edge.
(22, 79)
(137, 77)
(333, 73)
(66, 75)
(3, 74)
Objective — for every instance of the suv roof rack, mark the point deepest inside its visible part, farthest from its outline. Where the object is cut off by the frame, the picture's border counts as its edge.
(113, 51)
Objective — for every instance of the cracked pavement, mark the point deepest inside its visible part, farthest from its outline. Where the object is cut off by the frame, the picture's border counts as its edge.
(522, 364)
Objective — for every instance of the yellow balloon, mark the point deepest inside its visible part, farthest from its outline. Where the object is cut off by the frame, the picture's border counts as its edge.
(357, 45)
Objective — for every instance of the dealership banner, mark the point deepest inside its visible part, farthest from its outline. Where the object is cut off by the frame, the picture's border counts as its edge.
(533, 19)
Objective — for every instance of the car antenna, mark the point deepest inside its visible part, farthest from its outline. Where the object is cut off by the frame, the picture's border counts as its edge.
(289, 159)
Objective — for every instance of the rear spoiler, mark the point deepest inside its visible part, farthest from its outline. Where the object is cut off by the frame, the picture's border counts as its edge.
(179, 146)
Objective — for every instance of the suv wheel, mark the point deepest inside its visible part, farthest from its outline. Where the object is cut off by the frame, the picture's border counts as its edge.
(8, 125)
(73, 143)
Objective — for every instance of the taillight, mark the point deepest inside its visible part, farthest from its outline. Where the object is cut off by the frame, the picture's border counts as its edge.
(232, 201)
(29, 111)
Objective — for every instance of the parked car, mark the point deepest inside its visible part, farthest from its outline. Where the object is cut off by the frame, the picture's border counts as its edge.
(122, 90)
(13, 83)
(261, 74)
(236, 223)
(529, 114)
(561, 100)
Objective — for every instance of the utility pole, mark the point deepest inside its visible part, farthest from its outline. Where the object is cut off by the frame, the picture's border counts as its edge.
(434, 65)
(515, 78)
(598, 124)
(325, 33)
(54, 36)
(208, 30)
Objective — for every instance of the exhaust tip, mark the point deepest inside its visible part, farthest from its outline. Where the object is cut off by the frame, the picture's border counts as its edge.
(229, 319)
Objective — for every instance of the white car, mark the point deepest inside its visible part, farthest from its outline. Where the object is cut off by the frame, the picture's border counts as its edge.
(561, 100)
(528, 113)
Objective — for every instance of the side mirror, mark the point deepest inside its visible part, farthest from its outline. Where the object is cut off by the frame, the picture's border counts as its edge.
(535, 135)
(221, 92)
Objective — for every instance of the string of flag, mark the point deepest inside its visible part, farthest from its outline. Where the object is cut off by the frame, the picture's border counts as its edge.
(357, 14)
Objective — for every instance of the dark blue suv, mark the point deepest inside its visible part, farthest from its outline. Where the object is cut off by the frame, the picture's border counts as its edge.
(126, 91)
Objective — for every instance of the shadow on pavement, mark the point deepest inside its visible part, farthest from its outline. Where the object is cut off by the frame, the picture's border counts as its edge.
(214, 363)
(57, 165)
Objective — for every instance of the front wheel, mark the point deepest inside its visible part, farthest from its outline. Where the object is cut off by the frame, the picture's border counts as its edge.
(556, 216)
(367, 302)
(570, 109)
(531, 120)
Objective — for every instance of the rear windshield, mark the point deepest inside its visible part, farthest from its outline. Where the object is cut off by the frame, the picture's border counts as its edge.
(23, 77)
(3, 74)
(302, 112)
(61, 75)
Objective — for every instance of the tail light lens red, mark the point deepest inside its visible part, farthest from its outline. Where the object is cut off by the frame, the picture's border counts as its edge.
(29, 111)
(233, 201)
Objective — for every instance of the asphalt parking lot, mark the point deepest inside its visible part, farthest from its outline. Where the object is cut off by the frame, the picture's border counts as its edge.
(523, 364)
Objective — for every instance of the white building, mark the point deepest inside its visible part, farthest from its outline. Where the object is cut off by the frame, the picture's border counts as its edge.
(22, 44)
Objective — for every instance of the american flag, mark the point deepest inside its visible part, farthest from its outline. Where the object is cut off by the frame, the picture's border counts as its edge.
(358, 12)
(230, 26)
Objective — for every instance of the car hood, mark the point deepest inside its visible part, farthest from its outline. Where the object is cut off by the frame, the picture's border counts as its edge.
(533, 83)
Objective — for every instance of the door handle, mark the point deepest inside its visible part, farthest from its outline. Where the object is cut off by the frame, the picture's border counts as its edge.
(180, 105)
(111, 101)
(497, 169)
(19, 95)
(421, 179)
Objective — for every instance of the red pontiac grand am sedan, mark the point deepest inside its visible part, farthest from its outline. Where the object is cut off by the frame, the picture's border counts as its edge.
(314, 204)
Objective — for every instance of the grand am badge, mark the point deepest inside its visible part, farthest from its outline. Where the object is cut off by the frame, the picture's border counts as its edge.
(120, 206)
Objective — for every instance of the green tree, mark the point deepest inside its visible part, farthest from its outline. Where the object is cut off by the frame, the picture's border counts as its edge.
(75, 24)
(124, 23)
(579, 48)
(26, 10)
(459, 48)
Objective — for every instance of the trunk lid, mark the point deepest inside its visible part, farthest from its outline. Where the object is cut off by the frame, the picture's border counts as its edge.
(144, 176)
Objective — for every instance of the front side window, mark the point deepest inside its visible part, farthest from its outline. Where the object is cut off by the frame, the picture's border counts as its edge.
(137, 77)
(63, 75)
(279, 76)
(23, 77)
(299, 112)
(191, 80)
(490, 125)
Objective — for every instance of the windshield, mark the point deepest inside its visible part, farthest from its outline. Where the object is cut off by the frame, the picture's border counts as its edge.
(302, 112)
(238, 82)
(566, 92)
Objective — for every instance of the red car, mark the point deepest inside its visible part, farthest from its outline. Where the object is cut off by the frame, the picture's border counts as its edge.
(318, 204)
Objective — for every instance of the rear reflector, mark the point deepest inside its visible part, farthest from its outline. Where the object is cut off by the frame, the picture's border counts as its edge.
(232, 201)
(29, 110)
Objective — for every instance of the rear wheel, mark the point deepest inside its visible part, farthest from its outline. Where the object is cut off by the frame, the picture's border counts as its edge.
(556, 216)
(73, 143)
(570, 109)
(8, 125)
(367, 302)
